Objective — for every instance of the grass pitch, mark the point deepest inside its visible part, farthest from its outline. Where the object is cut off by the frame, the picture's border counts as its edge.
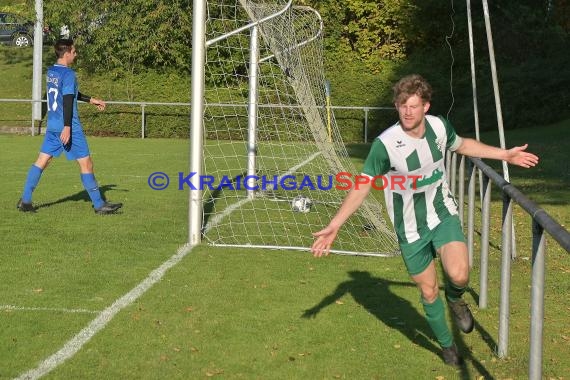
(235, 314)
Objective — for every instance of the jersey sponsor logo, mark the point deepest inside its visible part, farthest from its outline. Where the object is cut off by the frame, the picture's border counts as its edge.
(439, 144)
(433, 178)
(399, 144)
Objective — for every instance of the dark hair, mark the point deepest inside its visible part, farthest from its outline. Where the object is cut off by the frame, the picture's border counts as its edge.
(410, 85)
(62, 46)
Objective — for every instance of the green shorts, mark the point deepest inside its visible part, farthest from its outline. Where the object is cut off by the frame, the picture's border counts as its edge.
(419, 254)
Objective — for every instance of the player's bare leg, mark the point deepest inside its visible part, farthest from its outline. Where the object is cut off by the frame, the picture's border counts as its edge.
(455, 262)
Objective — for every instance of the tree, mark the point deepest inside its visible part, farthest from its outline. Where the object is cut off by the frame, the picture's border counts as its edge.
(129, 36)
(370, 30)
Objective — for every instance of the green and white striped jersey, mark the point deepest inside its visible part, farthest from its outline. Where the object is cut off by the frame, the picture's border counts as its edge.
(417, 193)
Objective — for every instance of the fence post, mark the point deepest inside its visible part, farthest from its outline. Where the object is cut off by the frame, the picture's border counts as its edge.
(365, 125)
(471, 211)
(504, 306)
(143, 121)
(537, 301)
(461, 190)
(485, 222)
(33, 125)
(453, 175)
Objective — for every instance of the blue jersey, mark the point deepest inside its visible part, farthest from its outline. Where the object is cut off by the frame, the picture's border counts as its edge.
(61, 81)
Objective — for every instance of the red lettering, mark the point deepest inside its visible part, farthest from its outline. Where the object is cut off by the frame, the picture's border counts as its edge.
(360, 180)
(414, 179)
(384, 182)
(398, 180)
(343, 177)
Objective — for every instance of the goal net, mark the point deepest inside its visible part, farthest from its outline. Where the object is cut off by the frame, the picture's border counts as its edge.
(273, 154)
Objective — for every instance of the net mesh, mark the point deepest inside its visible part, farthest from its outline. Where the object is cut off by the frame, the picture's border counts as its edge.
(298, 151)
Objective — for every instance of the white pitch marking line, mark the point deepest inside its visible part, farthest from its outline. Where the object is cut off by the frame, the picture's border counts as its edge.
(72, 346)
(57, 310)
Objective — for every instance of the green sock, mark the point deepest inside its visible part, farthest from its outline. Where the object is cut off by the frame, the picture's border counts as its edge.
(453, 292)
(435, 315)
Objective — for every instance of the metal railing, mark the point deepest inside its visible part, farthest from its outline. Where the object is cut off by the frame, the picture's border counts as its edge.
(143, 105)
(541, 222)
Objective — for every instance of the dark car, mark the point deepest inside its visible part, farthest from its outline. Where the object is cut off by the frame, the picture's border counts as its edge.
(17, 31)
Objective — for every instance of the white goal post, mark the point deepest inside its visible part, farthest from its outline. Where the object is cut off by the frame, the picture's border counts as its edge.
(268, 163)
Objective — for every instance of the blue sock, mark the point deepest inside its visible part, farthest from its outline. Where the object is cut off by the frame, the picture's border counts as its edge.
(34, 175)
(90, 184)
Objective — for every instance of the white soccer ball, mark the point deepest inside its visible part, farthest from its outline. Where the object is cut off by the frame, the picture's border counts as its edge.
(301, 203)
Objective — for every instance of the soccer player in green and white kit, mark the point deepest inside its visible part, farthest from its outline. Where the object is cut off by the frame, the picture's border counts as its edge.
(64, 131)
(424, 213)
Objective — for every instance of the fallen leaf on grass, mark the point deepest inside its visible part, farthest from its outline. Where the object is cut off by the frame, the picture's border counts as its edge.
(214, 372)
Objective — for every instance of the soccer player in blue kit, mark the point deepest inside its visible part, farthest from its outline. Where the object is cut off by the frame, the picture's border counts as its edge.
(64, 132)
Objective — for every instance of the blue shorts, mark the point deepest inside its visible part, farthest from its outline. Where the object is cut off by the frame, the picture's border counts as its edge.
(76, 148)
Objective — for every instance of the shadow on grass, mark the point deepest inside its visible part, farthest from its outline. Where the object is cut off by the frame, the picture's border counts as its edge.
(79, 196)
(374, 294)
(210, 203)
(467, 356)
(482, 332)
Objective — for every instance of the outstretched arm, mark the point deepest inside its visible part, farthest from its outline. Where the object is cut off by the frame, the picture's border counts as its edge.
(516, 156)
(99, 103)
(326, 236)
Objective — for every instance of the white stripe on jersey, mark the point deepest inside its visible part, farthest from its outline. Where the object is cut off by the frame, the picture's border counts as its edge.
(402, 150)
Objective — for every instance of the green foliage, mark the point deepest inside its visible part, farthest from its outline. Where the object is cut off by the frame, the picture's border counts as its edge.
(373, 31)
(127, 37)
(530, 50)
(368, 45)
(126, 120)
(16, 6)
(559, 13)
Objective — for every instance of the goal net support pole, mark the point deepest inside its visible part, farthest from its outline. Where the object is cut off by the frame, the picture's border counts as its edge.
(252, 109)
(196, 120)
